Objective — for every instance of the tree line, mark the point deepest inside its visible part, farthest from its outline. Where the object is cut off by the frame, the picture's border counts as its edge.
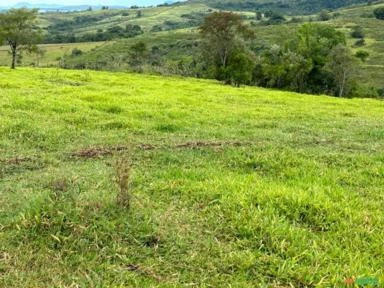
(315, 61)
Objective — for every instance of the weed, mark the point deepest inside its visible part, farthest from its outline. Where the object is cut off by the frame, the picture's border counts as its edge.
(123, 179)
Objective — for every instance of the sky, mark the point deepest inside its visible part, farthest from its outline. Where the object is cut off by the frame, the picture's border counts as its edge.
(79, 2)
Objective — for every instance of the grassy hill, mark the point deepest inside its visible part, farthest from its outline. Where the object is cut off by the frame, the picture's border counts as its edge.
(232, 187)
(172, 30)
(291, 7)
(181, 44)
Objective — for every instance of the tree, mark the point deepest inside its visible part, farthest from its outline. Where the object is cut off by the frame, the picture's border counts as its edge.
(340, 64)
(315, 42)
(324, 15)
(275, 19)
(379, 13)
(138, 53)
(39, 53)
(19, 30)
(239, 69)
(223, 35)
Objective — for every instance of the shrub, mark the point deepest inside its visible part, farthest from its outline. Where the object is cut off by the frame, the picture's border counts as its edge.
(379, 13)
(359, 43)
(324, 15)
(357, 32)
(362, 55)
(76, 52)
(123, 181)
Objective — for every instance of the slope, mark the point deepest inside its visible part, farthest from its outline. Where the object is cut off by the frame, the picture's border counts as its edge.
(233, 187)
(290, 7)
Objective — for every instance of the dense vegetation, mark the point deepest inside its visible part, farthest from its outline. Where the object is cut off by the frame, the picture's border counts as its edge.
(170, 44)
(230, 187)
(292, 7)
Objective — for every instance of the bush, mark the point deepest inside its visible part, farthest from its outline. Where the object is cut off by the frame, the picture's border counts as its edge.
(359, 43)
(379, 13)
(362, 55)
(76, 52)
(357, 32)
(324, 15)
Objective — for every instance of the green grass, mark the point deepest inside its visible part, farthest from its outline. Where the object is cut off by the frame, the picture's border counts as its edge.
(233, 187)
(52, 54)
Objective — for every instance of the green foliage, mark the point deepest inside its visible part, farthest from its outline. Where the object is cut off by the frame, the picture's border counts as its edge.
(274, 18)
(379, 13)
(290, 7)
(239, 69)
(223, 35)
(76, 52)
(18, 29)
(138, 54)
(302, 63)
(362, 55)
(341, 66)
(324, 15)
(358, 32)
(113, 32)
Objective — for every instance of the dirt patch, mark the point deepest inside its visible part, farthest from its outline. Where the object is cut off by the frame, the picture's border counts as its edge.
(202, 144)
(20, 164)
(94, 152)
(144, 146)
(16, 160)
(144, 271)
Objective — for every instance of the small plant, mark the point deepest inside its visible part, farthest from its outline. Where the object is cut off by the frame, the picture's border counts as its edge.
(358, 32)
(362, 55)
(123, 179)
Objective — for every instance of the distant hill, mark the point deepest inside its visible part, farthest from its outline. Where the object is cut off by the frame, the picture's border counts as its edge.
(66, 7)
(284, 6)
(58, 7)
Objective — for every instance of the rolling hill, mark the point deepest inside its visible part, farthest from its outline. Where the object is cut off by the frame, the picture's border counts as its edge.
(229, 187)
(291, 7)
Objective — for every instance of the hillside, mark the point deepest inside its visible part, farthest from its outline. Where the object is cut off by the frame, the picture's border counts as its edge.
(291, 7)
(171, 37)
(177, 46)
(232, 187)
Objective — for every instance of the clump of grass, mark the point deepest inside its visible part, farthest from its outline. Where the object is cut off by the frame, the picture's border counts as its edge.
(123, 179)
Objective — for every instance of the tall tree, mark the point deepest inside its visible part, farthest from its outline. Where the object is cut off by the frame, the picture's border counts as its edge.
(341, 65)
(19, 30)
(223, 35)
(315, 42)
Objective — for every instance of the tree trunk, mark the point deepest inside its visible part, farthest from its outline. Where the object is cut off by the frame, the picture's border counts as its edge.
(341, 94)
(14, 55)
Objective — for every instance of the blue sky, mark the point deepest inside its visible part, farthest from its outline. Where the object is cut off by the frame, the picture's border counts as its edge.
(79, 2)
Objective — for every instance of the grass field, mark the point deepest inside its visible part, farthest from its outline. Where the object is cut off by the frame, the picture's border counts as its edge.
(232, 187)
(53, 52)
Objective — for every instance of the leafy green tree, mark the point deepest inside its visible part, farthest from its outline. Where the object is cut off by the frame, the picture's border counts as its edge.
(315, 42)
(324, 15)
(239, 70)
(379, 13)
(275, 19)
(223, 36)
(18, 28)
(285, 69)
(341, 66)
(138, 53)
